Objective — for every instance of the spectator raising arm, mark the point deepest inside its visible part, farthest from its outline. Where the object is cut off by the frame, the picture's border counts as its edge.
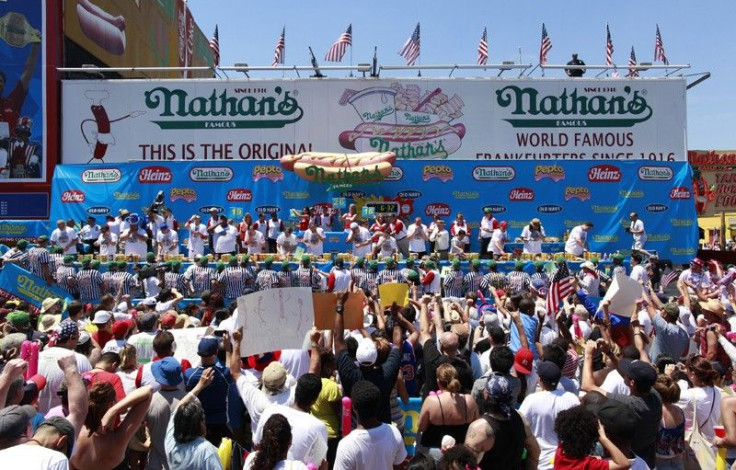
(76, 392)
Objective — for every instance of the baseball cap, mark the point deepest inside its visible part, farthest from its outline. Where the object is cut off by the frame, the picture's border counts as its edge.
(32, 388)
(64, 427)
(475, 262)
(504, 224)
(587, 265)
(83, 338)
(456, 262)
(48, 303)
(697, 262)
(102, 317)
(523, 361)
(169, 320)
(429, 264)
(18, 318)
(366, 353)
(22, 244)
(43, 238)
(500, 391)
(618, 419)
(540, 285)
(672, 310)
(208, 346)
(167, 372)
(274, 377)
(66, 330)
(149, 301)
(163, 227)
(354, 225)
(14, 420)
(549, 373)
(640, 372)
(121, 328)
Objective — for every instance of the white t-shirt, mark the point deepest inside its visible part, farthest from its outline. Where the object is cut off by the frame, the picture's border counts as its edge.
(273, 228)
(533, 239)
(63, 237)
(136, 246)
(108, 247)
(169, 242)
(254, 242)
(614, 383)
(49, 368)
(143, 343)
(89, 232)
(369, 449)
(281, 465)
(638, 225)
(708, 412)
(571, 245)
(33, 457)
(499, 237)
(639, 274)
(305, 430)
(226, 239)
(286, 244)
(196, 244)
(314, 244)
(441, 239)
(256, 401)
(363, 235)
(416, 238)
(541, 409)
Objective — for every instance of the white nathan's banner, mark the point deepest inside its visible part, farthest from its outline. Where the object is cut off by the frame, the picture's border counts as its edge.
(436, 119)
(275, 319)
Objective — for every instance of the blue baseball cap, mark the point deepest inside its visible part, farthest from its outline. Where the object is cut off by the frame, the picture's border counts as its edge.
(208, 346)
(167, 372)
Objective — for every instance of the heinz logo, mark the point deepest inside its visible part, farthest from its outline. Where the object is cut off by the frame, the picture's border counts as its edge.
(73, 196)
(353, 193)
(549, 209)
(680, 192)
(409, 194)
(239, 195)
(604, 174)
(267, 209)
(98, 210)
(657, 208)
(396, 174)
(155, 174)
(206, 209)
(101, 175)
(655, 173)
(495, 208)
(211, 174)
(493, 173)
(437, 208)
(521, 194)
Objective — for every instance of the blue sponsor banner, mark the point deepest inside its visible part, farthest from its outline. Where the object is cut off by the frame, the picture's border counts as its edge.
(14, 230)
(17, 283)
(561, 194)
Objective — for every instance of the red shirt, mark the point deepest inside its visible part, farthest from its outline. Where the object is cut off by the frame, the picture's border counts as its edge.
(101, 376)
(102, 337)
(586, 463)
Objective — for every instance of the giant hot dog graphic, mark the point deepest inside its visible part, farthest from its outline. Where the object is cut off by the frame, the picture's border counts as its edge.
(340, 168)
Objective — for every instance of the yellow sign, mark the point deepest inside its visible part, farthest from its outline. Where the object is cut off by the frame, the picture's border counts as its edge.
(394, 292)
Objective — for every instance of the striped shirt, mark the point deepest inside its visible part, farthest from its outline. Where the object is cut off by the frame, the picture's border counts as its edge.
(358, 276)
(174, 281)
(472, 281)
(370, 281)
(405, 272)
(493, 279)
(308, 277)
(200, 278)
(37, 257)
(286, 278)
(267, 279)
(126, 280)
(235, 279)
(453, 284)
(89, 282)
(108, 283)
(386, 276)
(19, 256)
(519, 281)
(63, 273)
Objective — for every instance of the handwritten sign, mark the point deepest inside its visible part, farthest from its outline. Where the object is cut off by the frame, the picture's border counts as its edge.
(324, 310)
(187, 342)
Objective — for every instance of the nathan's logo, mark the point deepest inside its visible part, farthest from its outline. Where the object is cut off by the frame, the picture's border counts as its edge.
(211, 174)
(72, 196)
(325, 175)
(549, 209)
(239, 195)
(269, 172)
(573, 109)
(37, 292)
(396, 174)
(185, 194)
(682, 251)
(554, 172)
(577, 192)
(521, 194)
(655, 173)
(604, 174)
(267, 209)
(101, 175)
(680, 192)
(465, 194)
(603, 209)
(409, 194)
(221, 110)
(657, 208)
(295, 194)
(120, 196)
(495, 208)
(353, 193)
(207, 209)
(493, 173)
(98, 210)
(441, 172)
(155, 174)
(437, 208)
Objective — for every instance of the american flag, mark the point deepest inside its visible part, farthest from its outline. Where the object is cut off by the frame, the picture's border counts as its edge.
(659, 54)
(561, 286)
(545, 46)
(279, 54)
(609, 47)
(632, 62)
(668, 278)
(338, 49)
(483, 49)
(410, 51)
(215, 46)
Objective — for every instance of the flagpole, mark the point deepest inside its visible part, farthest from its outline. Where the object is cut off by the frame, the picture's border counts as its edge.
(351, 57)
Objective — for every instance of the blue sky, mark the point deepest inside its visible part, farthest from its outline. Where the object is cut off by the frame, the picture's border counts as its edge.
(693, 32)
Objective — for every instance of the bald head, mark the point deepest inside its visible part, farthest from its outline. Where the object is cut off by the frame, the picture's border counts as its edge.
(449, 343)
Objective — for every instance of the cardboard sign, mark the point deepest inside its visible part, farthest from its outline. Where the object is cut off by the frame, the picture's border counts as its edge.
(187, 343)
(324, 310)
(275, 319)
(394, 292)
(623, 294)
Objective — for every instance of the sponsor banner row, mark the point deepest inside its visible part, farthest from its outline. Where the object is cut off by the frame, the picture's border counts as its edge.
(563, 196)
(418, 119)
